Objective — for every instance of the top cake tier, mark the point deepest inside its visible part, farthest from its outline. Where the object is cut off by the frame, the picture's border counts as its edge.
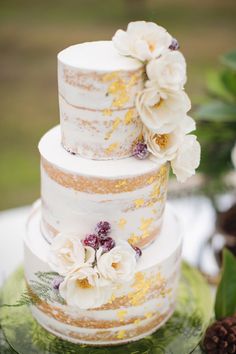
(97, 91)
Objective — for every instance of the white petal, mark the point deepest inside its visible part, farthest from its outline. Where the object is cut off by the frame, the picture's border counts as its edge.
(187, 159)
(142, 40)
(121, 42)
(233, 156)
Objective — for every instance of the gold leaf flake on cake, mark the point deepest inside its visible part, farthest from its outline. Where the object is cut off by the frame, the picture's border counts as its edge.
(115, 125)
(98, 185)
(155, 191)
(121, 314)
(107, 112)
(145, 223)
(129, 117)
(133, 80)
(133, 239)
(148, 314)
(112, 299)
(121, 334)
(141, 288)
(122, 222)
(110, 76)
(121, 100)
(111, 148)
(145, 234)
(151, 180)
(138, 203)
(121, 184)
(119, 88)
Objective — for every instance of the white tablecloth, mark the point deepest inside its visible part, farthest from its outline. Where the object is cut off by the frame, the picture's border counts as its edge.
(196, 213)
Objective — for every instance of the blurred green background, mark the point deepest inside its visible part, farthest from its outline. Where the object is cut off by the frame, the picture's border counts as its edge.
(33, 32)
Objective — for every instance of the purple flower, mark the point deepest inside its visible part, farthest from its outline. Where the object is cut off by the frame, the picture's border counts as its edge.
(107, 244)
(92, 241)
(140, 151)
(57, 281)
(103, 228)
(138, 252)
(174, 44)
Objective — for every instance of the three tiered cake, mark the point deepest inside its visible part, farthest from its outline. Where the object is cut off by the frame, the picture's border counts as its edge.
(102, 252)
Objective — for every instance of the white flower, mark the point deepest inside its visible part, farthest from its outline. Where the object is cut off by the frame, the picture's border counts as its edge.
(85, 289)
(142, 40)
(186, 125)
(169, 71)
(67, 253)
(161, 112)
(164, 147)
(233, 156)
(118, 264)
(187, 158)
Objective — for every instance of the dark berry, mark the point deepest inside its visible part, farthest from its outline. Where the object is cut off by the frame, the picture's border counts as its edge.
(56, 282)
(107, 244)
(174, 44)
(138, 252)
(103, 228)
(140, 151)
(92, 241)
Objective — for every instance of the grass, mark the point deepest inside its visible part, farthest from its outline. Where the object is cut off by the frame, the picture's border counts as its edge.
(31, 34)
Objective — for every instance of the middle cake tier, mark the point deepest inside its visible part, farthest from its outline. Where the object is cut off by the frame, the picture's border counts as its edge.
(78, 193)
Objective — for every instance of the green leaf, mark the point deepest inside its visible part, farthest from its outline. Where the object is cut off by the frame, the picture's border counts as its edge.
(229, 60)
(228, 78)
(216, 86)
(225, 304)
(217, 111)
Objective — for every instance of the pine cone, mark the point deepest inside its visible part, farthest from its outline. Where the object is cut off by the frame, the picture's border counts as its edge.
(220, 337)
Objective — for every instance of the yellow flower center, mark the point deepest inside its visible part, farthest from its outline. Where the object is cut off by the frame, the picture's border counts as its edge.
(115, 265)
(158, 104)
(151, 46)
(83, 283)
(161, 140)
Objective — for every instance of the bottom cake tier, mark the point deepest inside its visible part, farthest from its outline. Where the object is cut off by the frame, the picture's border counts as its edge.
(135, 309)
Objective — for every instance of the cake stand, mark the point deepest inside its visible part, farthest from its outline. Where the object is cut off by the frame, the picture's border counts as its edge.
(20, 333)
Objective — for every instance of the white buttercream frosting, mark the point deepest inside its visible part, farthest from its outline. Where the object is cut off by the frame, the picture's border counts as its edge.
(135, 212)
(51, 149)
(161, 260)
(97, 56)
(169, 240)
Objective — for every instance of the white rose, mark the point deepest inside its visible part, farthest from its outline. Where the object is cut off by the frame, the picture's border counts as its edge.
(67, 253)
(186, 125)
(142, 40)
(85, 289)
(118, 264)
(161, 112)
(168, 71)
(233, 156)
(187, 158)
(163, 146)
